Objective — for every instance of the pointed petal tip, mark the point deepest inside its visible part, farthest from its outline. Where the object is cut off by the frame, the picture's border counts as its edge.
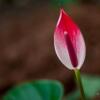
(62, 11)
(62, 15)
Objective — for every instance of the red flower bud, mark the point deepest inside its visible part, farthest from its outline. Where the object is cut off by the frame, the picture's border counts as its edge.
(69, 43)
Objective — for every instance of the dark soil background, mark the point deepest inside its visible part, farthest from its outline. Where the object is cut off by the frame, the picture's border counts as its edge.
(26, 43)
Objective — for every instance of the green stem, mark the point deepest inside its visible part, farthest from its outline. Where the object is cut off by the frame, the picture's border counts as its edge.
(79, 84)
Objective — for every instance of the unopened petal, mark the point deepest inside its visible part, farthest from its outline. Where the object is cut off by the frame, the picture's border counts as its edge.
(69, 43)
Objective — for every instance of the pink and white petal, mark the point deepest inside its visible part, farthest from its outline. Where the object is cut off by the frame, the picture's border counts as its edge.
(69, 43)
(62, 51)
(81, 50)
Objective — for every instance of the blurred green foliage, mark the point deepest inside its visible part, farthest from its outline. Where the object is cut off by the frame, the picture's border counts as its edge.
(20, 3)
(33, 2)
(63, 2)
(36, 90)
(91, 86)
(52, 90)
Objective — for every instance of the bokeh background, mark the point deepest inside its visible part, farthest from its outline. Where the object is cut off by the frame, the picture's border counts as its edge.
(26, 40)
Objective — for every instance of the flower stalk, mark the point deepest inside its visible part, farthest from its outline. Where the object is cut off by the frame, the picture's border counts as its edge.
(79, 84)
(70, 46)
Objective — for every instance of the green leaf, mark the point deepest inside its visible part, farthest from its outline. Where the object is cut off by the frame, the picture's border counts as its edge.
(36, 90)
(91, 86)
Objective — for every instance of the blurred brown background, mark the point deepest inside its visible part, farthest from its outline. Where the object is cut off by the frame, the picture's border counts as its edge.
(26, 41)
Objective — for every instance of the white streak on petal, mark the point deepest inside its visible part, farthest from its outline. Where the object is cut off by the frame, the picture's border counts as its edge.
(59, 19)
(65, 33)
